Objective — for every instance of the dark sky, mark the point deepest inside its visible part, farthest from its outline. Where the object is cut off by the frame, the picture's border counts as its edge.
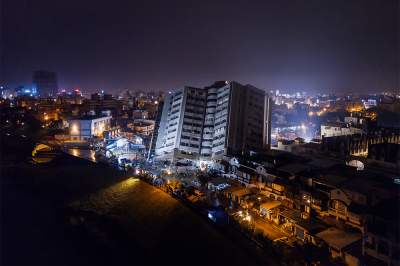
(313, 45)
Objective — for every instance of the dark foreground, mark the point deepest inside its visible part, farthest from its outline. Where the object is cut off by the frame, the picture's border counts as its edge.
(71, 211)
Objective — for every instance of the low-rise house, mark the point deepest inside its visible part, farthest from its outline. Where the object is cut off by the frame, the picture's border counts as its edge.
(244, 174)
(341, 243)
(299, 224)
(351, 192)
(269, 210)
(275, 189)
(236, 195)
(86, 127)
(381, 242)
(293, 169)
(310, 200)
(240, 172)
(142, 126)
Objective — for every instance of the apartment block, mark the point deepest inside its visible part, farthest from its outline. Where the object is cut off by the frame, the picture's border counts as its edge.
(208, 123)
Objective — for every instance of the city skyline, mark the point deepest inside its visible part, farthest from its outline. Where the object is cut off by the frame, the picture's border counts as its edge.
(288, 45)
(263, 132)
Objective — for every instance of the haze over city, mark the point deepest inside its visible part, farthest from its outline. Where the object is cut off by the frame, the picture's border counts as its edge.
(315, 46)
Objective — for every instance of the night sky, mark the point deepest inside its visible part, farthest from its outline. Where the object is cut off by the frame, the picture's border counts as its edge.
(311, 45)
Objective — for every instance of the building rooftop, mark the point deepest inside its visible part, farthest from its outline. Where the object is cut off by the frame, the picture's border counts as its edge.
(336, 124)
(365, 181)
(241, 192)
(293, 168)
(143, 122)
(321, 163)
(90, 117)
(337, 238)
(270, 204)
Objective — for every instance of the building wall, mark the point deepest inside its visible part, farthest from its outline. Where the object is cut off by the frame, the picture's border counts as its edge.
(221, 116)
(330, 131)
(247, 114)
(211, 122)
(169, 124)
(208, 126)
(191, 123)
(83, 129)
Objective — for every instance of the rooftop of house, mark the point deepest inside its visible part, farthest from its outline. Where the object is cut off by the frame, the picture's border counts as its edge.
(143, 122)
(275, 157)
(92, 117)
(245, 169)
(278, 173)
(291, 214)
(322, 163)
(350, 178)
(238, 191)
(293, 168)
(270, 204)
(338, 124)
(339, 239)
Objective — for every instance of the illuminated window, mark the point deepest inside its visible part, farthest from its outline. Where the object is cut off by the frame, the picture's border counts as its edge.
(74, 129)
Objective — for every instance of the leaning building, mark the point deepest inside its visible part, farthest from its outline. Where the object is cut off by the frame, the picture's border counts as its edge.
(226, 118)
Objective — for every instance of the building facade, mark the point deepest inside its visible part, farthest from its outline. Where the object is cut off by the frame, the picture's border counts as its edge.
(332, 129)
(87, 127)
(208, 123)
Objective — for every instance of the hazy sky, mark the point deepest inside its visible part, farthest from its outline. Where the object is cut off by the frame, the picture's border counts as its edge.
(313, 45)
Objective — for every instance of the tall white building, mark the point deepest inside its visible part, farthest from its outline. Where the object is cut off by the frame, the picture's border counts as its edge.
(207, 123)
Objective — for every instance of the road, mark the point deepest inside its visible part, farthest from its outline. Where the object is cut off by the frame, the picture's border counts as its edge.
(268, 229)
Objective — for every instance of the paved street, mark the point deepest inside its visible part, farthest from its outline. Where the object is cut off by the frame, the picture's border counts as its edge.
(269, 230)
